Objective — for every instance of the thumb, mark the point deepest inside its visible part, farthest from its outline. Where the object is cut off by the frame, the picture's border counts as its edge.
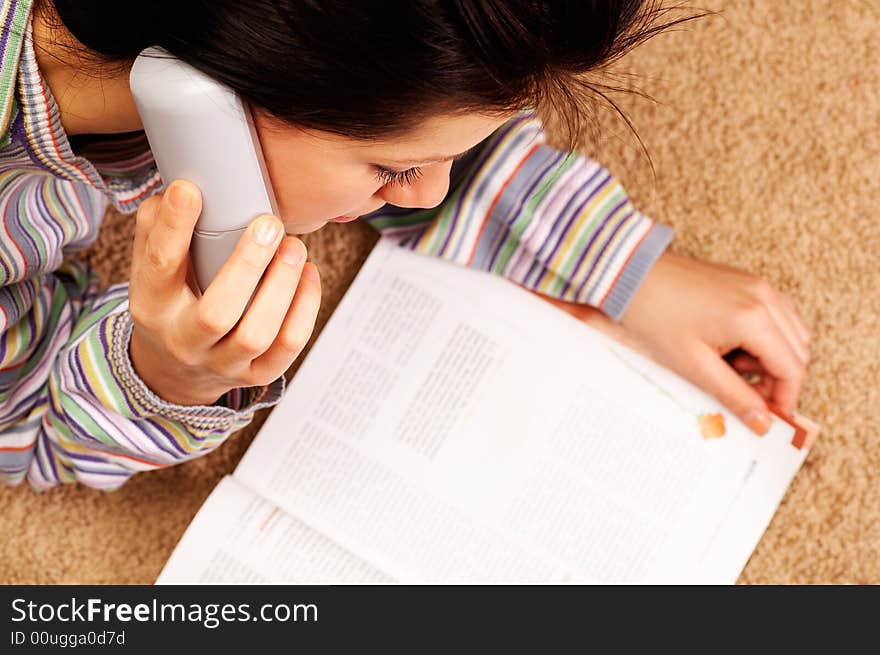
(709, 371)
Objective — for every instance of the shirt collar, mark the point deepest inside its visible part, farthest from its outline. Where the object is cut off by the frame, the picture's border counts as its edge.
(14, 17)
(123, 168)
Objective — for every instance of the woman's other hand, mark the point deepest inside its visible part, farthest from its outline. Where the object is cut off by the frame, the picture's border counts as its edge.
(713, 325)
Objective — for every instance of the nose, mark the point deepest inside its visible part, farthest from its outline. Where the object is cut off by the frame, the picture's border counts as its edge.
(427, 191)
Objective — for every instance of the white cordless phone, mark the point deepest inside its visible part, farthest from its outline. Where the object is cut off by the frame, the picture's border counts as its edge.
(200, 130)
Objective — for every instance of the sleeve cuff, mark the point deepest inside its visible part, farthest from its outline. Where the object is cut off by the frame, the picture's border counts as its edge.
(633, 274)
(234, 409)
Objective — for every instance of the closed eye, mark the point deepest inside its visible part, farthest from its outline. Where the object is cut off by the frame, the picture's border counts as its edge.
(403, 178)
(410, 175)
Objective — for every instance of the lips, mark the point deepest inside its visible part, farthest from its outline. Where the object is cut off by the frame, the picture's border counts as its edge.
(344, 219)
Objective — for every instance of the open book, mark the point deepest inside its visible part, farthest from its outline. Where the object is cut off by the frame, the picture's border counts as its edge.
(449, 426)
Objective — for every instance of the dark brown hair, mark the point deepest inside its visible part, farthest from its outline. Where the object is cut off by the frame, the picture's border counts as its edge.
(373, 69)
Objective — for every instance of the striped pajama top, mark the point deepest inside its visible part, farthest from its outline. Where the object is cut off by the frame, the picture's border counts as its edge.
(72, 408)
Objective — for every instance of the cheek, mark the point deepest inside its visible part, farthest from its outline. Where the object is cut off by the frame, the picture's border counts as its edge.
(322, 199)
(311, 184)
(311, 196)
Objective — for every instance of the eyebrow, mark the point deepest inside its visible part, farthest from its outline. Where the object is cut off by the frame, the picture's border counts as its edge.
(435, 159)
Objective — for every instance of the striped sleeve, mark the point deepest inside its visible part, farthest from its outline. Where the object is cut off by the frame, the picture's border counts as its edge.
(72, 408)
(555, 222)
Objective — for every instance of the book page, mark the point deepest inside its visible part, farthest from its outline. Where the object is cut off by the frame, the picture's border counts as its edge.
(239, 538)
(449, 426)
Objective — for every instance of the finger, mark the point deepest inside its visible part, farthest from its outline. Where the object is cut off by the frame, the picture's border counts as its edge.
(296, 330)
(752, 372)
(765, 341)
(801, 327)
(144, 220)
(786, 323)
(192, 281)
(262, 321)
(165, 254)
(224, 301)
(709, 371)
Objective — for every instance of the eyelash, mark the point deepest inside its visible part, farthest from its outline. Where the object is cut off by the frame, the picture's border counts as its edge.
(403, 178)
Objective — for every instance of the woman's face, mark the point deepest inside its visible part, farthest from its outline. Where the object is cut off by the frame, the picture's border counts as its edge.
(320, 177)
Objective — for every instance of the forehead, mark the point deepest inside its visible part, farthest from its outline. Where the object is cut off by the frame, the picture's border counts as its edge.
(440, 130)
(433, 139)
(438, 138)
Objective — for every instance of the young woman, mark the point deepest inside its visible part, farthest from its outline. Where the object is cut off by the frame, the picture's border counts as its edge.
(409, 115)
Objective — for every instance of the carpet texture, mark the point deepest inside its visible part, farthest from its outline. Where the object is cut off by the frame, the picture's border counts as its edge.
(764, 137)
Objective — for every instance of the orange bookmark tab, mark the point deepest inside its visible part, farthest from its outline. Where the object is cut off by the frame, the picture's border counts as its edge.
(805, 431)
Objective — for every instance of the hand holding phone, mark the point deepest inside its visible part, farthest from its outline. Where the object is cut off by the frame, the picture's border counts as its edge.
(259, 297)
(191, 350)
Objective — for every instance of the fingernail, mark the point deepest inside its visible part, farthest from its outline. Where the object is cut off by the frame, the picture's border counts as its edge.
(758, 420)
(266, 232)
(181, 196)
(291, 253)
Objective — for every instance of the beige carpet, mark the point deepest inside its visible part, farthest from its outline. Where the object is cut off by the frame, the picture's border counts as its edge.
(765, 141)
